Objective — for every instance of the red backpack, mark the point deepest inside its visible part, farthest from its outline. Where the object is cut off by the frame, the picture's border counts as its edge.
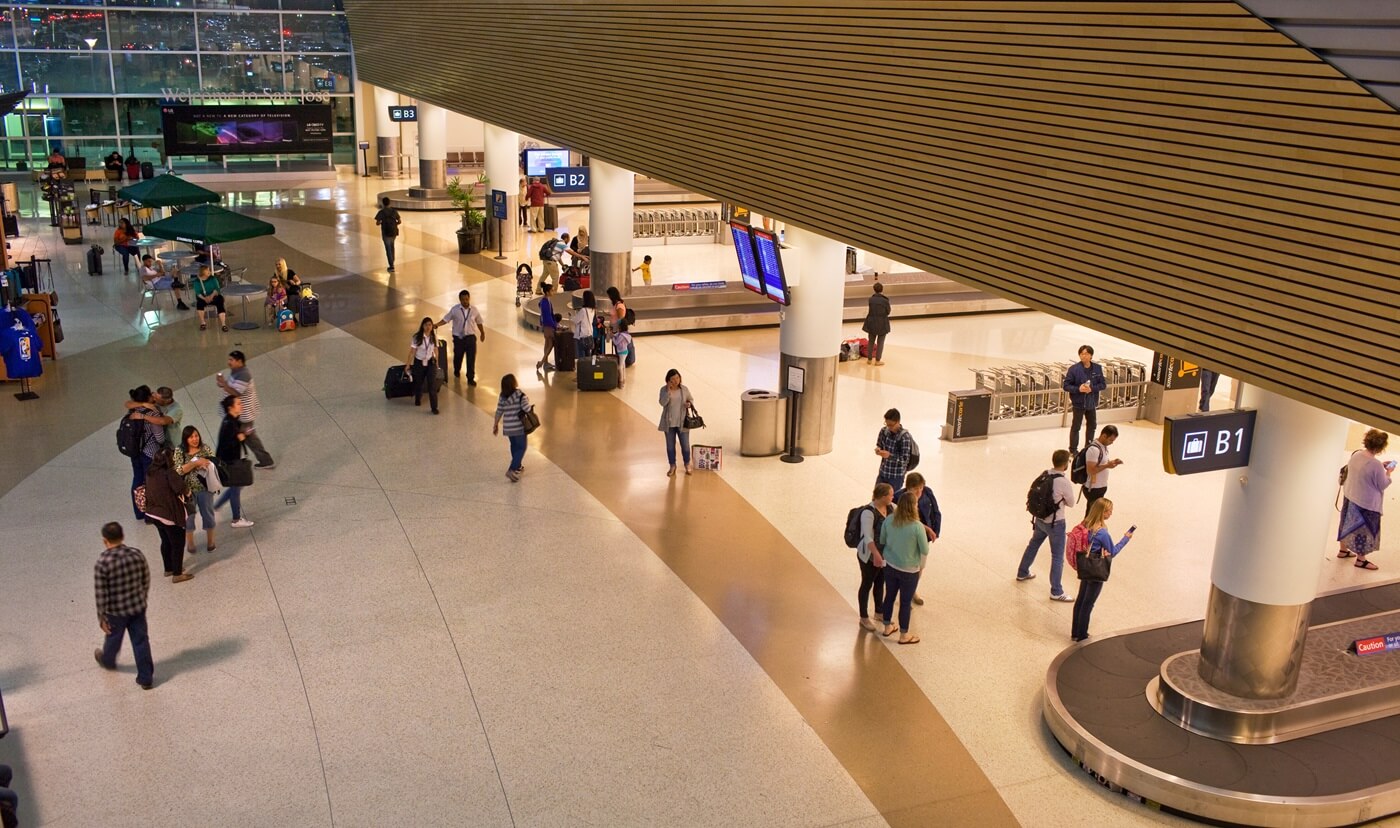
(1077, 541)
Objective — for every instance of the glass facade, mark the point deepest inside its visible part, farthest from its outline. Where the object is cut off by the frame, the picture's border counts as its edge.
(96, 70)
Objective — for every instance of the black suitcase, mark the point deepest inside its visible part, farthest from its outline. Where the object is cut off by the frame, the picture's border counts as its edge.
(309, 311)
(398, 382)
(148, 170)
(441, 377)
(551, 217)
(28, 278)
(597, 373)
(94, 260)
(565, 350)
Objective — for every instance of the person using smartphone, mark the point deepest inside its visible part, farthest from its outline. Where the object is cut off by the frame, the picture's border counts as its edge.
(1100, 543)
(1364, 481)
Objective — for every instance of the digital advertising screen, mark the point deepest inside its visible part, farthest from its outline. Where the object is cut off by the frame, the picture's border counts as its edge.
(770, 264)
(748, 259)
(538, 161)
(246, 130)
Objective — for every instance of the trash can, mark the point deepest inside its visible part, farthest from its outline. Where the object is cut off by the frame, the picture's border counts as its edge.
(763, 421)
(969, 414)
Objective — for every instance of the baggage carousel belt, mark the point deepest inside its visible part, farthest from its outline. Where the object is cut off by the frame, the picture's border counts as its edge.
(1103, 687)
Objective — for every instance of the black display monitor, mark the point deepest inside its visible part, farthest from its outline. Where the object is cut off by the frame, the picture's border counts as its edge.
(252, 129)
(538, 161)
(748, 257)
(770, 264)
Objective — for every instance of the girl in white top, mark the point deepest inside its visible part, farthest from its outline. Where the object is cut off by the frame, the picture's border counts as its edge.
(584, 320)
(422, 363)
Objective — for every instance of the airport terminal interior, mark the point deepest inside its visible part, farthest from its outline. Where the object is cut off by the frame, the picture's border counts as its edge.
(408, 634)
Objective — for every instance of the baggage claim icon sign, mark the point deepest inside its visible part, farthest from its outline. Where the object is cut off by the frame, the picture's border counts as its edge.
(1207, 442)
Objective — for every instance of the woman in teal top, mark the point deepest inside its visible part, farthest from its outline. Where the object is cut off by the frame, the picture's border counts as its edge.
(904, 544)
(207, 295)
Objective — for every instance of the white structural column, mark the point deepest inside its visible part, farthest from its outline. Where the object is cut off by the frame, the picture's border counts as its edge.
(503, 172)
(610, 226)
(432, 150)
(810, 336)
(1274, 519)
(390, 151)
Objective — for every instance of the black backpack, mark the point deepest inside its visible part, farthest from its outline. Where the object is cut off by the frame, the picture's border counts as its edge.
(630, 317)
(1079, 471)
(547, 250)
(1040, 500)
(129, 436)
(853, 525)
(913, 454)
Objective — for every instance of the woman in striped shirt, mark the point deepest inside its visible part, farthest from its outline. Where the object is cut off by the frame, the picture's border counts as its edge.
(510, 406)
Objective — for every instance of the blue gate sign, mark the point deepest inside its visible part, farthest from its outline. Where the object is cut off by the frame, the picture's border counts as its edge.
(498, 204)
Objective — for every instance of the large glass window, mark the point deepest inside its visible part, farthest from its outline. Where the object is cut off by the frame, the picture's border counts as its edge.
(152, 31)
(42, 27)
(242, 73)
(316, 32)
(236, 4)
(313, 5)
(139, 72)
(59, 72)
(320, 73)
(86, 116)
(9, 72)
(239, 33)
(139, 116)
(152, 4)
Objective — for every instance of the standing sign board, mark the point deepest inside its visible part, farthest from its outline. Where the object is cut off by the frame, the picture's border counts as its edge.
(1174, 372)
(1204, 442)
(498, 204)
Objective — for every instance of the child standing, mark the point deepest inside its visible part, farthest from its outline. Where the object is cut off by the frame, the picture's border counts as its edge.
(622, 344)
(645, 268)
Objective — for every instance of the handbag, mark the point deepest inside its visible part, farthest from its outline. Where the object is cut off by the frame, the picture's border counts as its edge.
(138, 496)
(1093, 567)
(692, 418)
(240, 473)
(529, 420)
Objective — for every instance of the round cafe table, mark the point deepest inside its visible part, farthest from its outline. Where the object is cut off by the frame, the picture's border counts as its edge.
(147, 243)
(244, 290)
(175, 256)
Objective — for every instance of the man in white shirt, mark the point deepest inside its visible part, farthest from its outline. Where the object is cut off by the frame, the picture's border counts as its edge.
(153, 274)
(1097, 464)
(467, 326)
(1052, 527)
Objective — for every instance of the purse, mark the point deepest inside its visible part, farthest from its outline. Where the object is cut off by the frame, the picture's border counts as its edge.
(692, 418)
(1093, 567)
(240, 473)
(138, 496)
(529, 420)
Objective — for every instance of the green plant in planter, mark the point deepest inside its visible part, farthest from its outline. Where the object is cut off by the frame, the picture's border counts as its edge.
(464, 198)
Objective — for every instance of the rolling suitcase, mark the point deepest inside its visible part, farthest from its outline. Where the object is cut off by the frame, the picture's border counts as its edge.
(148, 170)
(309, 311)
(441, 377)
(94, 260)
(565, 350)
(397, 383)
(551, 217)
(597, 373)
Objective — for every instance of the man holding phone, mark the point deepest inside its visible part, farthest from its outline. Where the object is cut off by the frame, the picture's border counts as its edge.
(1083, 382)
(1097, 464)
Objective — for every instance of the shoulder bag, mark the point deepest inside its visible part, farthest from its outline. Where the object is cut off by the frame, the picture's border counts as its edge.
(1094, 567)
(239, 473)
(529, 420)
(692, 418)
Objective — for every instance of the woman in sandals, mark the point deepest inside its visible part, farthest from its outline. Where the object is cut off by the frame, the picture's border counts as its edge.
(194, 459)
(510, 407)
(675, 401)
(1363, 494)
(905, 547)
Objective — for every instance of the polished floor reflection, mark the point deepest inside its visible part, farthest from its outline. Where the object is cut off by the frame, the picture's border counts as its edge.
(405, 637)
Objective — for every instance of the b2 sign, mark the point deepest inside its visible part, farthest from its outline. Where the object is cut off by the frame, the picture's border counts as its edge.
(1207, 442)
(567, 179)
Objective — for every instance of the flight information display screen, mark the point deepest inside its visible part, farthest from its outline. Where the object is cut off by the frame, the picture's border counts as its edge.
(770, 264)
(538, 161)
(748, 259)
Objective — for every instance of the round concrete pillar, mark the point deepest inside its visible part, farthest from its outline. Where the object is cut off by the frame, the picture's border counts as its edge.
(390, 151)
(432, 151)
(611, 191)
(810, 336)
(503, 172)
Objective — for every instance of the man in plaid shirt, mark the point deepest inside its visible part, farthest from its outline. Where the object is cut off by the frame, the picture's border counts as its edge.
(894, 445)
(122, 582)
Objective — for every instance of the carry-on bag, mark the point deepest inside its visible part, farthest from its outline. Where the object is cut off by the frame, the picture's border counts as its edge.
(148, 170)
(551, 217)
(441, 376)
(94, 260)
(565, 349)
(597, 373)
(286, 320)
(398, 382)
(309, 311)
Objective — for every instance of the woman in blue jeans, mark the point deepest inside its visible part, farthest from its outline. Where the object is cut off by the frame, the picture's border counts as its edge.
(193, 458)
(1100, 543)
(904, 544)
(675, 401)
(230, 450)
(510, 406)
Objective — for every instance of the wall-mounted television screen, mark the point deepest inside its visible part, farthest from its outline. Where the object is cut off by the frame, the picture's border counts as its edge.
(770, 264)
(748, 259)
(246, 129)
(539, 160)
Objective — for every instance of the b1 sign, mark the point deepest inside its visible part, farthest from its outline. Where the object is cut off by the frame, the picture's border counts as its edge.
(1207, 442)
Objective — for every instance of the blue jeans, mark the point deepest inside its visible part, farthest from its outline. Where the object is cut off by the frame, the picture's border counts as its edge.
(517, 451)
(1040, 530)
(672, 434)
(203, 501)
(139, 464)
(233, 496)
(135, 626)
(902, 584)
(1084, 607)
(896, 482)
(389, 249)
(1208, 381)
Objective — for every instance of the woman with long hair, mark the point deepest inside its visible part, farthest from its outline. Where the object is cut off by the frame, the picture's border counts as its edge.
(194, 459)
(152, 438)
(510, 408)
(548, 323)
(1100, 543)
(124, 242)
(905, 548)
(675, 401)
(165, 509)
(868, 555)
(1363, 495)
(422, 362)
(583, 323)
(619, 308)
(230, 450)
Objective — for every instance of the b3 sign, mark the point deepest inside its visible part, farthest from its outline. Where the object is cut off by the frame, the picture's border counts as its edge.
(1207, 442)
(567, 179)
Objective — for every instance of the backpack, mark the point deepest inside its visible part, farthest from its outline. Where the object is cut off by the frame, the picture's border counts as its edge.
(286, 320)
(853, 525)
(1075, 542)
(129, 436)
(1079, 470)
(630, 317)
(913, 453)
(547, 250)
(1040, 500)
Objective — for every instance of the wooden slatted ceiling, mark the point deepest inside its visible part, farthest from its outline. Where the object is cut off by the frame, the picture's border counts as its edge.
(1178, 173)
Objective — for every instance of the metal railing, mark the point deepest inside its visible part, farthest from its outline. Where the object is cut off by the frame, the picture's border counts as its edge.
(1036, 389)
(675, 222)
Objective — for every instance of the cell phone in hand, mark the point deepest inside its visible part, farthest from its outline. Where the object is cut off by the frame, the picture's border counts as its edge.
(1390, 464)
(1132, 529)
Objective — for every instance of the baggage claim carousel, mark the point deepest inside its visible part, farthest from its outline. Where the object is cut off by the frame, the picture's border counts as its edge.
(1130, 710)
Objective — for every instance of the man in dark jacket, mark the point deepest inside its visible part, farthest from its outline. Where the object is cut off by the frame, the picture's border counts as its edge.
(877, 325)
(1084, 381)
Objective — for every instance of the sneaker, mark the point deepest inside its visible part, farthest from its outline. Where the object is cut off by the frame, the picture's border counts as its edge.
(182, 306)
(1063, 598)
(513, 476)
(241, 523)
(918, 600)
(1030, 577)
(471, 382)
(181, 578)
(145, 686)
(266, 466)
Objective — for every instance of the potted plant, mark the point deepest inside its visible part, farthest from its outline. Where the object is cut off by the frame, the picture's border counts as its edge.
(473, 218)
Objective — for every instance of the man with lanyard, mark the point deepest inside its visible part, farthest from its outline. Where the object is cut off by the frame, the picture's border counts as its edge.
(1052, 527)
(122, 583)
(467, 325)
(929, 515)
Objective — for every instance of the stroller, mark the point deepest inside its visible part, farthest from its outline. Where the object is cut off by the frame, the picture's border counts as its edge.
(524, 283)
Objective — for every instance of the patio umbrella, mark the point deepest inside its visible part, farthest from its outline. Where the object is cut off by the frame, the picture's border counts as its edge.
(208, 224)
(168, 191)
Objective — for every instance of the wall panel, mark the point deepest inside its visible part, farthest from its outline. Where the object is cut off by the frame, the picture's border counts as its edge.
(1176, 173)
